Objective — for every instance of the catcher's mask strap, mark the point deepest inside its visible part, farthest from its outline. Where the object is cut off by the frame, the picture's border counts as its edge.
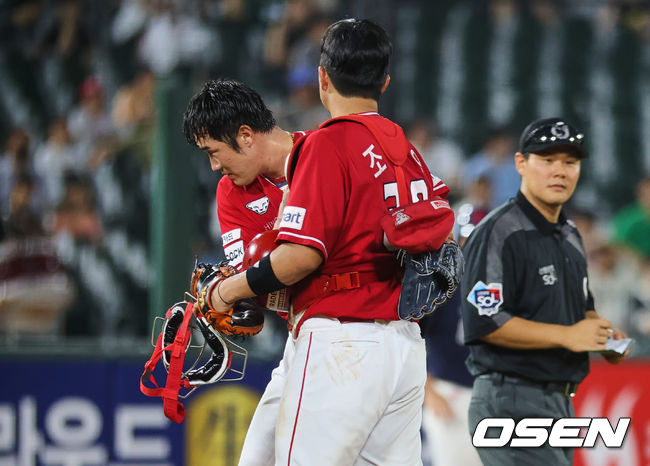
(173, 408)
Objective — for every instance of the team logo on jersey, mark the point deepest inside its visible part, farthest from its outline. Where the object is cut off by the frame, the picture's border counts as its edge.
(401, 217)
(293, 217)
(486, 298)
(259, 206)
(549, 277)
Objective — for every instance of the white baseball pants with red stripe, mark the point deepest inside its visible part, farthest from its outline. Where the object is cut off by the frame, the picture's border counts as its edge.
(343, 394)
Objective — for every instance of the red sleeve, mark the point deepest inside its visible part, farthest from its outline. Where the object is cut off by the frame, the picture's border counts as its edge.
(316, 203)
(438, 187)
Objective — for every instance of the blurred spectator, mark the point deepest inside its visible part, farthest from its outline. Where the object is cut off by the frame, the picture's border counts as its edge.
(639, 312)
(90, 124)
(58, 28)
(53, 158)
(23, 222)
(77, 214)
(495, 161)
(174, 36)
(632, 223)
(302, 111)
(34, 285)
(133, 116)
(283, 35)
(587, 225)
(305, 49)
(443, 157)
(15, 162)
(472, 208)
(129, 21)
(613, 279)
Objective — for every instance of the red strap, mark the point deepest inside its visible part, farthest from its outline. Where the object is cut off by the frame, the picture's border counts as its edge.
(388, 134)
(308, 291)
(173, 408)
(402, 190)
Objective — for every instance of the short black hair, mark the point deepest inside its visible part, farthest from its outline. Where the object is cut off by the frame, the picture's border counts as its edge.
(220, 108)
(356, 55)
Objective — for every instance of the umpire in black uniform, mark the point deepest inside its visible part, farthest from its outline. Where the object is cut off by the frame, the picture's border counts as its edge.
(528, 313)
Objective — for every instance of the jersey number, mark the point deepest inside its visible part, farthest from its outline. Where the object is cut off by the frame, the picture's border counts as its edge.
(418, 192)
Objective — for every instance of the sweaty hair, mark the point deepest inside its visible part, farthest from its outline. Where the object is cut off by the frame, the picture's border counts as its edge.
(356, 54)
(220, 108)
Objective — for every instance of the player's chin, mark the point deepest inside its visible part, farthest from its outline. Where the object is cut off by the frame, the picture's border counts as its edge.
(236, 180)
(558, 196)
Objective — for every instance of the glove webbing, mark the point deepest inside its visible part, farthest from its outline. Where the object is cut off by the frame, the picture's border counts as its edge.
(174, 409)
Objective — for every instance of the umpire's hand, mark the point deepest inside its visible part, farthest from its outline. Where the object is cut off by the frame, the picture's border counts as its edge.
(588, 335)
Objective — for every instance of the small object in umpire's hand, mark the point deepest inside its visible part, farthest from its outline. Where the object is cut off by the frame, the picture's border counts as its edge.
(617, 346)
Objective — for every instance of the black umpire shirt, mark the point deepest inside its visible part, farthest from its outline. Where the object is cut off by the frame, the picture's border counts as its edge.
(519, 264)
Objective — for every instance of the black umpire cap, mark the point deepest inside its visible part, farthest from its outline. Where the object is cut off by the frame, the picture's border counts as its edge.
(547, 133)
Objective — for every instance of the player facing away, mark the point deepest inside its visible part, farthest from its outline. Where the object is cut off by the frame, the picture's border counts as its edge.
(352, 387)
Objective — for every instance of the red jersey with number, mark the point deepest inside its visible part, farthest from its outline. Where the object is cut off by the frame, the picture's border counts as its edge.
(342, 185)
(245, 211)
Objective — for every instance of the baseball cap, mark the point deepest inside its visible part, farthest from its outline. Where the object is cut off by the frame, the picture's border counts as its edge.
(547, 133)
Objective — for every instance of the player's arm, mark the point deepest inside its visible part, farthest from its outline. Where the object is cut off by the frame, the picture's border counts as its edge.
(287, 264)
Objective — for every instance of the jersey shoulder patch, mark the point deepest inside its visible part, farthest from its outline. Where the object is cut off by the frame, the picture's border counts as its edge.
(486, 298)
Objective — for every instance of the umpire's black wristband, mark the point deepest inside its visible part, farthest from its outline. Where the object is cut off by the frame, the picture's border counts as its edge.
(261, 278)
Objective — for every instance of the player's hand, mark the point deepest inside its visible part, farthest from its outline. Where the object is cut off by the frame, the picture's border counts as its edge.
(588, 335)
(209, 300)
(204, 286)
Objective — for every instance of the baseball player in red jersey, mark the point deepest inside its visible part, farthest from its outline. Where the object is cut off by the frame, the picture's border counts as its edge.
(231, 123)
(219, 119)
(352, 387)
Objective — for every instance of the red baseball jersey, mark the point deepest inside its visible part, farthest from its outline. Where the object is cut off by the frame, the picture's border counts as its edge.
(245, 211)
(342, 185)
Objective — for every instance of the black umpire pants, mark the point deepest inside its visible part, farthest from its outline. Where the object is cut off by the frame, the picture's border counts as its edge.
(494, 397)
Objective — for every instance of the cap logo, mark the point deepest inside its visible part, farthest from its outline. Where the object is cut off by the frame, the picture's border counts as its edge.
(560, 131)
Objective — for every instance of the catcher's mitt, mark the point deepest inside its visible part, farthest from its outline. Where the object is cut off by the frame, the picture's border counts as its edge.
(430, 278)
(244, 318)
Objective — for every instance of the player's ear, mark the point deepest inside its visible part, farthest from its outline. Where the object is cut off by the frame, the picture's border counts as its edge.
(520, 162)
(245, 135)
(383, 88)
(323, 79)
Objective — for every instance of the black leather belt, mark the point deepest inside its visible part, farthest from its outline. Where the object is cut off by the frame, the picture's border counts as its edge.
(567, 388)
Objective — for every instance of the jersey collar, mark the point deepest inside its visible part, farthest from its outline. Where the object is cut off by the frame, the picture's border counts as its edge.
(535, 216)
